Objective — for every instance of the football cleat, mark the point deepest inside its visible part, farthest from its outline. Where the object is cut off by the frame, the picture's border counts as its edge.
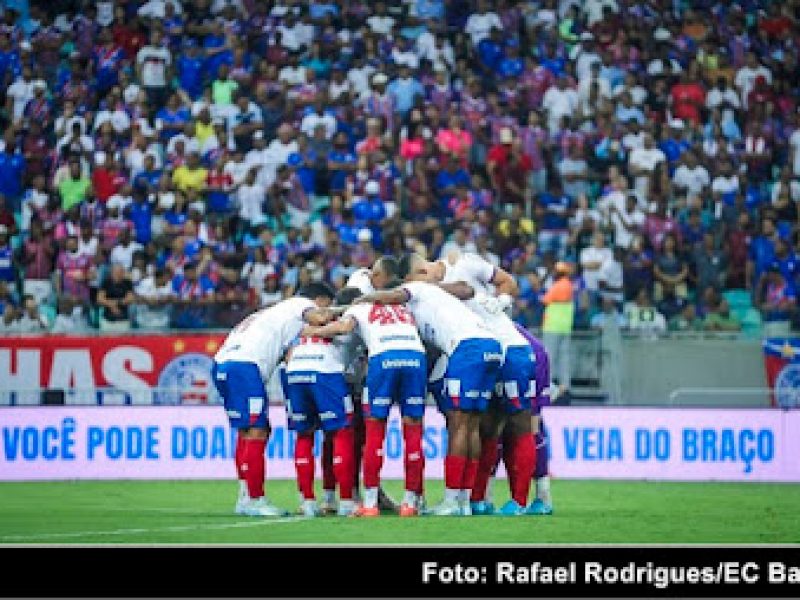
(309, 508)
(327, 508)
(367, 511)
(511, 509)
(539, 507)
(386, 503)
(346, 508)
(422, 505)
(261, 507)
(465, 508)
(241, 505)
(407, 510)
(446, 508)
(482, 507)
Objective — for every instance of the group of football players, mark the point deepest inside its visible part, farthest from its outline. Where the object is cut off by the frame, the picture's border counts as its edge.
(396, 334)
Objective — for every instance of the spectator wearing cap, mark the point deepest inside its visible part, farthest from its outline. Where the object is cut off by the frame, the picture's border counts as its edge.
(673, 145)
(378, 102)
(114, 298)
(558, 322)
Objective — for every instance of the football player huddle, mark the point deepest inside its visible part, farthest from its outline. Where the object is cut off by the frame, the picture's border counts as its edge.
(396, 334)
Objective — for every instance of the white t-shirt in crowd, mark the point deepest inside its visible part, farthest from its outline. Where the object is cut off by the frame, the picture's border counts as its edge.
(154, 63)
(594, 255)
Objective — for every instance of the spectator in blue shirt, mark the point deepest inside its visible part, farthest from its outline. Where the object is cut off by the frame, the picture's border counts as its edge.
(674, 145)
(404, 90)
(172, 119)
(762, 251)
(490, 50)
(627, 111)
(341, 162)
(140, 212)
(512, 64)
(190, 69)
(553, 216)
(149, 179)
(12, 169)
(449, 179)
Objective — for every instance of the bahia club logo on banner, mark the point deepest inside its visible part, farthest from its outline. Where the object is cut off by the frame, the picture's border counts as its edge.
(195, 442)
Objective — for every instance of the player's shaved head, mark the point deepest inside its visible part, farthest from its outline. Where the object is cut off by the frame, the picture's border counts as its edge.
(384, 269)
(409, 264)
(416, 268)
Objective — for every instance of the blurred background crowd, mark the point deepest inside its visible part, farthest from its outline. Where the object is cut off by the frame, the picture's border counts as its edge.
(171, 163)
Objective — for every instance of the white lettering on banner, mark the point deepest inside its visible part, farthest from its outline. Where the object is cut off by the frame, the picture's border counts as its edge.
(72, 368)
(25, 375)
(120, 366)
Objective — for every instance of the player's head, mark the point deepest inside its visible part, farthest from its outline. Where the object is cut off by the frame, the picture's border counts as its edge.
(415, 268)
(346, 296)
(384, 269)
(321, 293)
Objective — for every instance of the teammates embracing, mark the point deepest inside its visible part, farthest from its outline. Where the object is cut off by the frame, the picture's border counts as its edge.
(398, 332)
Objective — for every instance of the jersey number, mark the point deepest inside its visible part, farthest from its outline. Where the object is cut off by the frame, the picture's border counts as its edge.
(390, 314)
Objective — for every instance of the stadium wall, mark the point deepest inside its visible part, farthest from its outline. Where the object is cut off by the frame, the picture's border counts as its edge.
(175, 369)
(195, 442)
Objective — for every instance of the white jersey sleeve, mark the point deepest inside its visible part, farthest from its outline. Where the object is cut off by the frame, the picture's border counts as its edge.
(361, 280)
(263, 337)
(385, 327)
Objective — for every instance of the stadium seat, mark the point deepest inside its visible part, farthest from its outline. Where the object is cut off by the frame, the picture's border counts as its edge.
(738, 299)
(751, 322)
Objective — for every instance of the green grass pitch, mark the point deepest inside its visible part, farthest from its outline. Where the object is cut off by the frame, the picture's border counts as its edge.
(176, 512)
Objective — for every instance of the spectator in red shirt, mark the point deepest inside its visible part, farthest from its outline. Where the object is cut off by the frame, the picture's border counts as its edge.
(688, 98)
(498, 158)
(106, 178)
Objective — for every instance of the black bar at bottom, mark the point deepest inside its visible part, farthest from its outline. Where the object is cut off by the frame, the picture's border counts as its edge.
(416, 571)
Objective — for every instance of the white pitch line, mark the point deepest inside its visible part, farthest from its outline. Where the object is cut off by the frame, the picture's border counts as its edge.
(139, 530)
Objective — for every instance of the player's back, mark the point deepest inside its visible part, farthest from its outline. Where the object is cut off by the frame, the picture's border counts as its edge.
(442, 318)
(262, 337)
(316, 354)
(386, 328)
(478, 274)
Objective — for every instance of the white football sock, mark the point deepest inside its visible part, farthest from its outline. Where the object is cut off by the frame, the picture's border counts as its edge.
(410, 498)
(371, 497)
(452, 495)
(543, 489)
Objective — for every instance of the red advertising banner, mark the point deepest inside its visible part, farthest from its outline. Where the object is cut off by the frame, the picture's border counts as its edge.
(160, 369)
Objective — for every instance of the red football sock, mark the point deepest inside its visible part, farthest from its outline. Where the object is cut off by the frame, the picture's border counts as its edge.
(470, 471)
(485, 466)
(359, 439)
(238, 456)
(343, 463)
(373, 452)
(328, 476)
(508, 459)
(454, 468)
(304, 465)
(413, 460)
(523, 447)
(253, 466)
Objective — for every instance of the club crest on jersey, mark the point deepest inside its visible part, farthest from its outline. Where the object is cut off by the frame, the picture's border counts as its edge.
(187, 380)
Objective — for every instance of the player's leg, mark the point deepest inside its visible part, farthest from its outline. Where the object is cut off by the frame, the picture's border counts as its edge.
(543, 503)
(376, 402)
(220, 378)
(302, 417)
(412, 388)
(491, 425)
(328, 505)
(335, 407)
(519, 389)
(247, 410)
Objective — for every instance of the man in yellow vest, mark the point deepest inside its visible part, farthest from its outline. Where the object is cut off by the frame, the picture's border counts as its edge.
(559, 315)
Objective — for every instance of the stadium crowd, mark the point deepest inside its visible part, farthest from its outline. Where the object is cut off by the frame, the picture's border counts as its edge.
(179, 163)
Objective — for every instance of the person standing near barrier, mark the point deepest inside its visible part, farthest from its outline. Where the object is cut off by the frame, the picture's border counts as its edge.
(247, 359)
(559, 315)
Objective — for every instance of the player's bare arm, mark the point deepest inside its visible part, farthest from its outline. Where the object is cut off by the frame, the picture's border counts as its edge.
(505, 283)
(318, 316)
(460, 289)
(332, 329)
(396, 296)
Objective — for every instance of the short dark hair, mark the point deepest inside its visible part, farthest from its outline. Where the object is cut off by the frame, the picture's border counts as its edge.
(317, 289)
(346, 296)
(389, 265)
(404, 264)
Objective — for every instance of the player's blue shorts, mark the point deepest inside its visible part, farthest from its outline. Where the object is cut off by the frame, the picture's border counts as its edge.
(243, 393)
(396, 376)
(472, 372)
(516, 387)
(318, 399)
